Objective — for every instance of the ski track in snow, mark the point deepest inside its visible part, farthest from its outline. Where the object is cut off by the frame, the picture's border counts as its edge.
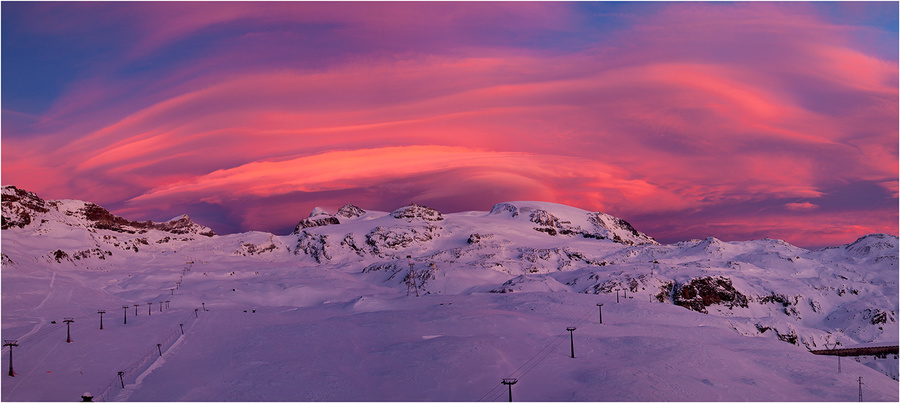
(42, 320)
(159, 362)
(36, 366)
(49, 292)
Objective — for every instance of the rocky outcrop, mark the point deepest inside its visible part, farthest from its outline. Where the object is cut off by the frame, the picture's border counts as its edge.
(19, 207)
(250, 249)
(705, 291)
(183, 225)
(545, 218)
(415, 211)
(315, 222)
(616, 229)
(504, 208)
(315, 245)
(103, 219)
(350, 211)
(383, 240)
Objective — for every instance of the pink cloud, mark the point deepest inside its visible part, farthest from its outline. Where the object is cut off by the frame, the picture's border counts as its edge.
(696, 106)
(337, 170)
(801, 206)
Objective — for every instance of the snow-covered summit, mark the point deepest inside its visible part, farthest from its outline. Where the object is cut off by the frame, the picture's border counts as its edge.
(555, 218)
(882, 245)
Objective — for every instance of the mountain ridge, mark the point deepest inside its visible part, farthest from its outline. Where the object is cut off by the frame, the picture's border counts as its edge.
(519, 258)
(21, 208)
(530, 245)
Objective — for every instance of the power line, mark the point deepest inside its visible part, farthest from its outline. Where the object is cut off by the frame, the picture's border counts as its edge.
(535, 359)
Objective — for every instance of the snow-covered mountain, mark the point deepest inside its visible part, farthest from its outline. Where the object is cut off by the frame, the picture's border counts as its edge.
(24, 209)
(509, 274)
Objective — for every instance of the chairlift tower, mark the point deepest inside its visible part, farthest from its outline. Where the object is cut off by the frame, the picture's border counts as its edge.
(510, 382)
(860, 388)
(571, 330)
(411, 278)
(101, 312)
(125, 316)
(11, 344)
(68, 333)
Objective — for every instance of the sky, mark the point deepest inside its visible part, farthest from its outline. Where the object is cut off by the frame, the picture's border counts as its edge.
(737, 120)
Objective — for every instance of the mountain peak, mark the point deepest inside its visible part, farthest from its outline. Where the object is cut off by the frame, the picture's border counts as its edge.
(554, 218)
(873, 243)
(350, 211)
(317, 211)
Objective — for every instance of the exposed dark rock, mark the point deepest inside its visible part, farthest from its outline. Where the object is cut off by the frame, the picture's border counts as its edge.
(384, 239)
(665, 291)
(95, 252)
(476, 238)
(877, 316)
(315, 222)
(315, 245)
(504, 208)
(18, 207)
(550, 231)
(545, 218)
(59, 255)
(507, 286)
(249, 249)
(775, 298)
(705, 291)
(387, 267)
(414, 211)
(617, 224)
(350, 211)
(350, 242)
(183, 225)
(103, 219)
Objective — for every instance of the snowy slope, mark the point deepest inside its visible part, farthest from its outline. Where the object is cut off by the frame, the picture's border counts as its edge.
(323, 313)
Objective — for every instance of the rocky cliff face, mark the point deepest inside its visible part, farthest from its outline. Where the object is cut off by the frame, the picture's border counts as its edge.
(20, 207)
(415, 211)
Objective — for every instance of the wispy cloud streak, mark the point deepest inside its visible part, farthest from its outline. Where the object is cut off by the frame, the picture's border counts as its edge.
(680, 109)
